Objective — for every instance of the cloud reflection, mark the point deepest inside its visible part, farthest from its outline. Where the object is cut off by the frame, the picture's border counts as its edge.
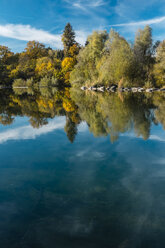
(28, 132)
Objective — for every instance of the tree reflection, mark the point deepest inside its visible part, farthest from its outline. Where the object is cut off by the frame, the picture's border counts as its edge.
(6, 119)
(70, 129)
(107, 114)
(112, 114)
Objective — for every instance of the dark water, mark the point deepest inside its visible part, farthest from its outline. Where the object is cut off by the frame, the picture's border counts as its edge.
(82, 171)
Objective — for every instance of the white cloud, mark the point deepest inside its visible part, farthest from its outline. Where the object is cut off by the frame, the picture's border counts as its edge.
(141, 23)
(81, 36)
(153, 137)
(28, 132)
(85, 5)
(96, 3)
(79, 6)
(88, 154)
(129, 9)
(157, 138)
(27, 32)
(83, 127)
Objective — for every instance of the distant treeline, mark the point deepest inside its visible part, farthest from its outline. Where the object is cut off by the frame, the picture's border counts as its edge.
(37, 62)
(105, 59)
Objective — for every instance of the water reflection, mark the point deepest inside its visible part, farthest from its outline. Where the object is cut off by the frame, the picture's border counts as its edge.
(105, 114)
(90, 193)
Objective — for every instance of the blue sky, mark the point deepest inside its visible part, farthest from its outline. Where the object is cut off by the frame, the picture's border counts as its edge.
(44, 20)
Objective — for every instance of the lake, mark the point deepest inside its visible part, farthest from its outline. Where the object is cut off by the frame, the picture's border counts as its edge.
(81, 169)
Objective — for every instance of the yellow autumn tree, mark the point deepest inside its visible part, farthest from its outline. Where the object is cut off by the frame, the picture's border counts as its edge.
(67, 65)
(74, 50)
(44, 67)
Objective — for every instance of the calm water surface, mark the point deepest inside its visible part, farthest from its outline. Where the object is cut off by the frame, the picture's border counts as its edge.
(88, 193)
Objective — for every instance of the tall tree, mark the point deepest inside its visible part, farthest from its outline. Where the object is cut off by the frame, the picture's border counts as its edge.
(159, 67)
(68, 38)
(143, 43)
(117, 63)
(85, 70)
(143, 50)
(8, 61)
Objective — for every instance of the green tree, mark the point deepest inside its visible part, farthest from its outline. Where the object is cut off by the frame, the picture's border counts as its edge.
(8, 62)
(159, 67)
(35, 50)
(143, 51)
(86, 69)
(68, 38)
(117, 62)
(28, 59)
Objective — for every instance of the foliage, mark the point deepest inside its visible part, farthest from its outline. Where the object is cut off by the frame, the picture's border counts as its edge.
(143, 51)
(19, 86)
(8, 61)
(108, 59)
(86, 68)
(159, 67)
(68, 38)
(68, 64)
(19, 83)
(105, 59)
(105, 114)
(109, 114)
(117, 61)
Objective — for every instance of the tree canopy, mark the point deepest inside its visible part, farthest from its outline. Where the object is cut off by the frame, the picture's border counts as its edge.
(105, 59)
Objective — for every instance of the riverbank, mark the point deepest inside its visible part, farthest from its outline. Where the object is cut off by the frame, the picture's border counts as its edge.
(114, 88)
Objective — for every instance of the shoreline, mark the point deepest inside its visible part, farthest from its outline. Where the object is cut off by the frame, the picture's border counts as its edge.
(122, 89)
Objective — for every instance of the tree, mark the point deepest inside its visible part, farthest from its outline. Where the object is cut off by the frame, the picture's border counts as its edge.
(143, 51)
(5, 53)
(8, 62)
(159, 67)
(74, 50)
(44, 67)
(28, 59)
(35, 50)
(70, 129)
(105, 59)
(6, 119)
(86, 71)
(143, 43)
(68, 38)
(68, 64)
(117, 62)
